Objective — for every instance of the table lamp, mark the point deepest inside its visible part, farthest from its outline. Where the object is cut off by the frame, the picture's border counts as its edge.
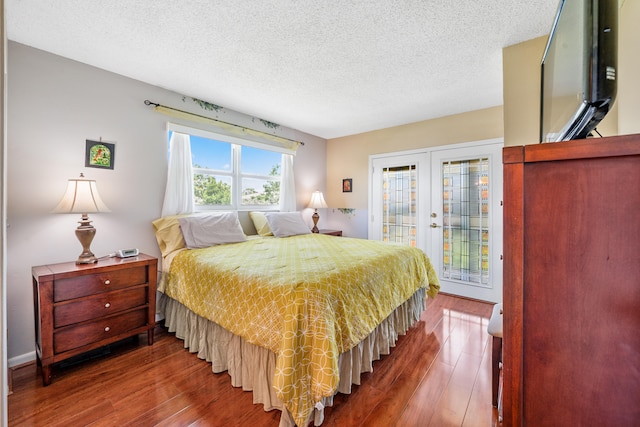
(82, 197)
(317, 201)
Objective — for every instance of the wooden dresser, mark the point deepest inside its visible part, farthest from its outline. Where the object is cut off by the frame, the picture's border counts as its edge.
(82, 307)
(572, 283)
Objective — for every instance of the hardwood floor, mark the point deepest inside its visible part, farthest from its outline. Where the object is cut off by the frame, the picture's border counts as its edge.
(437, 375)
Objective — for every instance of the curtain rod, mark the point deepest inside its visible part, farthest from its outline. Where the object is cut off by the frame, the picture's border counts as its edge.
(155, 105)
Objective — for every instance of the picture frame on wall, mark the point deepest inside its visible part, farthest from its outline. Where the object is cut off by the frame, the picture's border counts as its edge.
(347, 185)
(99, 154)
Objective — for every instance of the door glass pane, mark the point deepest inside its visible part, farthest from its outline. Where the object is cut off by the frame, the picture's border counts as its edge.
(465, 230)
(399, 198)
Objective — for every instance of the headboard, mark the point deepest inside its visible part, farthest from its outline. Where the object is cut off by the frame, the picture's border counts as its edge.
(246, 223)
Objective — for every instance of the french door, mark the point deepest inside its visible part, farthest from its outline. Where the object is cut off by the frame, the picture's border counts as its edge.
(466, 226)
(399, 198)
(446, 201)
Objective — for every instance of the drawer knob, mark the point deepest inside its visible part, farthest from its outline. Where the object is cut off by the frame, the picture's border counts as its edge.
(107, 329)
(107, 282)
(107, 305)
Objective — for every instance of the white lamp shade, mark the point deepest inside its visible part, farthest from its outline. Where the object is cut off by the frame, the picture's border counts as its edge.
(317, 200)
(81, 197)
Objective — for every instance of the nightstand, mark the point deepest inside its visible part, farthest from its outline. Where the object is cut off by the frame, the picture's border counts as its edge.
(81, 307)
(331, 232)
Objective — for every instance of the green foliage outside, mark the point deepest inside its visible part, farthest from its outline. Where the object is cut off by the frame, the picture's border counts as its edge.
(210, 191)
(270, 194)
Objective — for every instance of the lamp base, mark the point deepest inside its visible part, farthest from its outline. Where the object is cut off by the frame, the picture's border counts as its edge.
(315, 218)
(86, 258)
(85, 233)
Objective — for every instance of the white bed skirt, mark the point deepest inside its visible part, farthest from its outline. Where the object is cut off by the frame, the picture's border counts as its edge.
(251, 367)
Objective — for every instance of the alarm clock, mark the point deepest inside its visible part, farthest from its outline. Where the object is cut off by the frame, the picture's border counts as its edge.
(126, 253)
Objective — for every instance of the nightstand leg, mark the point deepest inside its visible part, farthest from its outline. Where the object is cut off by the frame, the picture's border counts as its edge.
(150, 336)
(46, 375)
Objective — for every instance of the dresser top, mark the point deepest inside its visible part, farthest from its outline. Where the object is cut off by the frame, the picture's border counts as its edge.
(72, 269)
(615, 146)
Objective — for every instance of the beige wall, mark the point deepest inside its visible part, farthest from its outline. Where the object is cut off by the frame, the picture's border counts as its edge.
(521, 91)
(629, 68)
(348, 157)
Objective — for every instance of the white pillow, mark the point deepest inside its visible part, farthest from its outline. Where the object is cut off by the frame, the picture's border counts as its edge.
(211, 229)
(284, 224)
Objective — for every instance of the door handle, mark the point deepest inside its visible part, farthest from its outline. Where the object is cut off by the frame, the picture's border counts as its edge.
(434, 225)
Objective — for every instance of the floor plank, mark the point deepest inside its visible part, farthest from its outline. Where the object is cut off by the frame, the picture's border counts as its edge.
(438, 374)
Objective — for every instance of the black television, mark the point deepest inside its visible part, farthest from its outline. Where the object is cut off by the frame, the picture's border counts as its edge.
(578, 84)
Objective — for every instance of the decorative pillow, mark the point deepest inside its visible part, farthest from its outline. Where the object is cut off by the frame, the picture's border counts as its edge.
(284, 224)
(260, 223)
(211, 229)
(168, 234)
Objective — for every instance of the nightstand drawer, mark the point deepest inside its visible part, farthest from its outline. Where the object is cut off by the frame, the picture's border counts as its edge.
(102, 329)
(99, 305)
(90, 284)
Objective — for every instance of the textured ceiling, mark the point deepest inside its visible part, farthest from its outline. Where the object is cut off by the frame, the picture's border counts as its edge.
(329, 68)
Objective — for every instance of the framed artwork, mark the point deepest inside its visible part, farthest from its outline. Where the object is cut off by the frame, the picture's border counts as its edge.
(347, 185)
(99, 154)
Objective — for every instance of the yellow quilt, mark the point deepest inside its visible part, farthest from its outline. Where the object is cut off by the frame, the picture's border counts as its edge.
(307, 298)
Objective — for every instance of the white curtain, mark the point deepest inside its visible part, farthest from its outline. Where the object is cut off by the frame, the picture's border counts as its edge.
(178, 196)
(287, 185)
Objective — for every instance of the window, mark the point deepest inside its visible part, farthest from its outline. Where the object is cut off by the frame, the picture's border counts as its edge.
(228, 175)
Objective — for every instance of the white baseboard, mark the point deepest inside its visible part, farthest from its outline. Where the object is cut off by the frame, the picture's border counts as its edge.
(22, 359)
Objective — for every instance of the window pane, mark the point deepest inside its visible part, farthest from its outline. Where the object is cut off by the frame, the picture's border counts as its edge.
(260, 162)
(210, 154)
(260, 172)
(211, 190)
(399, 204)
(466, 224)
(260, 192)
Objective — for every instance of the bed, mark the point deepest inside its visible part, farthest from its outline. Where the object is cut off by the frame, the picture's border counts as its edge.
(293, 317)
